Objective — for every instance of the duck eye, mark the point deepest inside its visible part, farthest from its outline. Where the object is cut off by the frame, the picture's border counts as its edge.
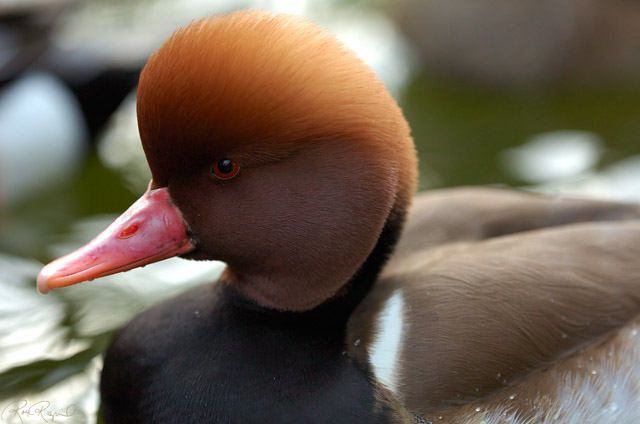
(225, 169)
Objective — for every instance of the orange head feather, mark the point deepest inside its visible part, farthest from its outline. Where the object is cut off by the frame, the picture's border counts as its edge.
(257, 84)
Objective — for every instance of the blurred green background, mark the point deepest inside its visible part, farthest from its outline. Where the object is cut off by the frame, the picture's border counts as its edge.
(538, 95)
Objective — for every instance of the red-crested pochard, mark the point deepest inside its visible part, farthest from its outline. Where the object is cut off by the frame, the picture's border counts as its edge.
(275, 149)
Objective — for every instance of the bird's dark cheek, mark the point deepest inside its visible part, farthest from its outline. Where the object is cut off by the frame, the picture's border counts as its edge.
(202, 241)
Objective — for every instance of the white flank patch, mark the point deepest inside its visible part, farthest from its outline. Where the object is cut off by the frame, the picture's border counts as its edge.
(384, 353)
(608, 394)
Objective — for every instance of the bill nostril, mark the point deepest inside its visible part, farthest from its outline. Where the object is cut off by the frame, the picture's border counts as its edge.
(130, 231)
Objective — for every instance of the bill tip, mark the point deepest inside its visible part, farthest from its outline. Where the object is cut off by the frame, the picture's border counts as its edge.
(41, 282)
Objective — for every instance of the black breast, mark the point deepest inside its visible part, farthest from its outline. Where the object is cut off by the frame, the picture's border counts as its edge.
(209, 356)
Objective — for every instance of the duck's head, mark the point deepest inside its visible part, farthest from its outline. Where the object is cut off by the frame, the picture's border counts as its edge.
(273, 148)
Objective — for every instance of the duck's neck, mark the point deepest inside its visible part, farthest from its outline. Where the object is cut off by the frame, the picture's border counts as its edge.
(309, 347)
(305, 351)
(361, 283)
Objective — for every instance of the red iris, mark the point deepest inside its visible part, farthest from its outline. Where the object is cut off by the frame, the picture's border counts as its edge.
(225, 169)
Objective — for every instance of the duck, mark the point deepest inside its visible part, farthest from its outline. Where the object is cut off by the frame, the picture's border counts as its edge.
(275, 149)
